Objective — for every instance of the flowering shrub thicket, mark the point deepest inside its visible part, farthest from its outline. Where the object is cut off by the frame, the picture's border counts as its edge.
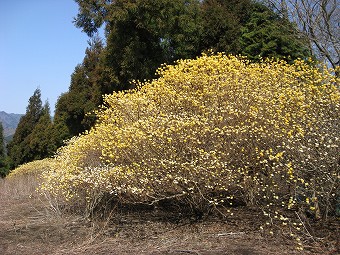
(24, 181)
(35, 168)
(214, 130)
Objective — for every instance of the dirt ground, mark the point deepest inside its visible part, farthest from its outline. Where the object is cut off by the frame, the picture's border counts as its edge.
(28, 228)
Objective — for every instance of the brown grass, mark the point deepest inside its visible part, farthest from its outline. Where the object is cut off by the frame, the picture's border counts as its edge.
(28, 226)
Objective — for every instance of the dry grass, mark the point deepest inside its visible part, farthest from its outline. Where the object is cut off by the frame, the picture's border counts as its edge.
(22, 187)
(28, 226)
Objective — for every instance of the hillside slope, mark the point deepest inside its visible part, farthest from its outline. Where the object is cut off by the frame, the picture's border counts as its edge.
(9, 122)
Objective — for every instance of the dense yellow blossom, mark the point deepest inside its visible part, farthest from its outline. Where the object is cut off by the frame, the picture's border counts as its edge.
(36, 167)
(214, 125)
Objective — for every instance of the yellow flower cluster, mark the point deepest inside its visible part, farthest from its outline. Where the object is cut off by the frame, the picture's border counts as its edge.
(36, 167)
(214, 129)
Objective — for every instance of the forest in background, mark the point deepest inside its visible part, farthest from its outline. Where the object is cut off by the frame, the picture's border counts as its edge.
(140, 36)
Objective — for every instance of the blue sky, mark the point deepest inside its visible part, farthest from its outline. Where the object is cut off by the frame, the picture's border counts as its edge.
(39, 47)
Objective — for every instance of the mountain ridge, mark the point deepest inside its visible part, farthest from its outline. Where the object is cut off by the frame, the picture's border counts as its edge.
(9, 122)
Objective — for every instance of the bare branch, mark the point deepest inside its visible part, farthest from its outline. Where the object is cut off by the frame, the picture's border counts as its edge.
(318, 20)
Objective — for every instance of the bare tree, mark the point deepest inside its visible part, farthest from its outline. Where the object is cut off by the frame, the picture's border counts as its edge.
(319, 21)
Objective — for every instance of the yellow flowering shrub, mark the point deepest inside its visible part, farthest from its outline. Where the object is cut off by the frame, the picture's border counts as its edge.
(24, 181)
(216, 130)
(34, 168)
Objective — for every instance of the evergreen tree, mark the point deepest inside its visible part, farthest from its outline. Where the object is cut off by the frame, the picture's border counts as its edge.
(89, 82)
(59, 131)
(18, 149)
(266, 34)
(3, 161)
(222, 21)
(40, 141)
(2, 141)
(143, 34)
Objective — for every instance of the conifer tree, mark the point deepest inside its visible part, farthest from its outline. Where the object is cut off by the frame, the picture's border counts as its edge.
(141, 35)
(40, 141)
(266, 34)
(144, 34)
(18, 149)
(2, 140)
(222, 21)
(89, 82)
(3, 161)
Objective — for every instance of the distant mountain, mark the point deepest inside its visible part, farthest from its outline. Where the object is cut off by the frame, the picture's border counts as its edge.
(9, 122)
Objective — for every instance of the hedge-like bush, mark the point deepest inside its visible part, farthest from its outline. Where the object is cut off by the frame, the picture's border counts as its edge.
(34, 168)
(217, 130)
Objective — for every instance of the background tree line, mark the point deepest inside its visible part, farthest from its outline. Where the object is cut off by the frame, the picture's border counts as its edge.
(32, 138)
(141, 35)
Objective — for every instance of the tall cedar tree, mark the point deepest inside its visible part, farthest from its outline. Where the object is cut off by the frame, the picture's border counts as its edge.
(40, 142)
(267, 35)
(143, 34)
(25, 144)
(222, 23)
(89, 82)
(3, 161)
(2, 141)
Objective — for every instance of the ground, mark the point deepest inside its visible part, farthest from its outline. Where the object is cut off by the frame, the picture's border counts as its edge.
(28, 226)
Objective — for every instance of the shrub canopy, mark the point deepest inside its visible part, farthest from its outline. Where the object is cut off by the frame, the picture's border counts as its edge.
(213, 130)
